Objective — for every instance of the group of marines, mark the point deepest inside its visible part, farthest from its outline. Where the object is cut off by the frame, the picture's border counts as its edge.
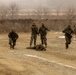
(42, 31)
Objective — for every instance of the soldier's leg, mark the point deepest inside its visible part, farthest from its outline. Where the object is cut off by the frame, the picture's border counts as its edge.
(45, 41)
(32, 36)
(10, 43)
(35, 38)
(67, 45)
(67, 42)
(42, 39)
(14, 43)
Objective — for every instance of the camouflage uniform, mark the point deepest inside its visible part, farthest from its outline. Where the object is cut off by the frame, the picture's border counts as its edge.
(75, 29)
(13, 36)
(38, 48)
(68, 31)
(34, 33)
(43, 32)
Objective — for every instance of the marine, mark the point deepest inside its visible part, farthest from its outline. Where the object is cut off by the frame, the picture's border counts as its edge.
(34, 33)
(68, 35)
(13, 36)
(43, 32)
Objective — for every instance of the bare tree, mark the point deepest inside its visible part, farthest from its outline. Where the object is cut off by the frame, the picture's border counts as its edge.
(3, 12)
(38, 12)
(13, 10)
(46, 12)
(70, 14)
(58, 12)
(57, 18)
(42, 12)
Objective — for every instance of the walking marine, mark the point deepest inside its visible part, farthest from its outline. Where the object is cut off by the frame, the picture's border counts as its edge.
(68, 35)
(13, 36)
(43, 32)
(34, 33)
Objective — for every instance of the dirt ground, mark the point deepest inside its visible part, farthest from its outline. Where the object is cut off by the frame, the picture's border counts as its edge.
(56, 60)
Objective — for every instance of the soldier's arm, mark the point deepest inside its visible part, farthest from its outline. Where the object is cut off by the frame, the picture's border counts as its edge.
(47, 29)
(37, 30)
(72, 31)
(9, 35)
(64, 31)
(16, 36)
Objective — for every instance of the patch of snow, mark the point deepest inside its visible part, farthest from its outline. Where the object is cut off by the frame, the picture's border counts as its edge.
(55, 32)
(58, 32)
(61, 37)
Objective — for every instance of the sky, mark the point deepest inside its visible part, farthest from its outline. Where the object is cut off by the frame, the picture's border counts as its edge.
(53, 4)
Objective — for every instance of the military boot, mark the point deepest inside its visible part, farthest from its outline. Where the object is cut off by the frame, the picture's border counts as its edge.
(10, 46)
(67, 46)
